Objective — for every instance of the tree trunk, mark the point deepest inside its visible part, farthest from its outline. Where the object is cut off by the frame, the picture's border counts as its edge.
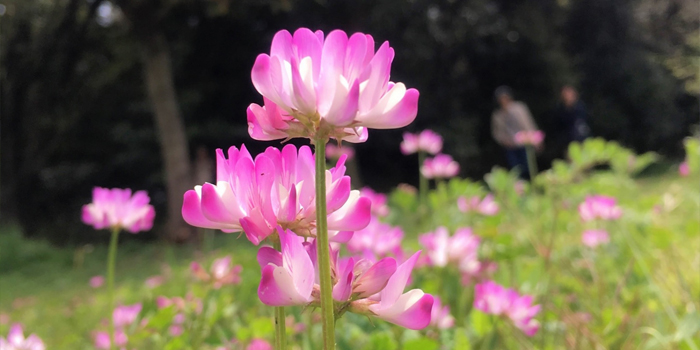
(171, 130)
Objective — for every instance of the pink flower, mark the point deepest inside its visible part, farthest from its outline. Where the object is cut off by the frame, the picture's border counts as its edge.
(102, 342)
(379, 201)
(361, 278)
(97, 281)
(599, 207)
(16, 341)
(118, 209)
(529, 137)
(440, 315)
(154, 281)
(377, 238)
(125, 315)
(175, 330)
(412, 309)
(336, 85)
(277, 188)
(335, 152)
(492, 298)
(461, 249)
(442, 166)
(486, 206)
(426, 141)
(594, 238)
(684, 169)
(222, 272)
(287, 277)
(259, 344)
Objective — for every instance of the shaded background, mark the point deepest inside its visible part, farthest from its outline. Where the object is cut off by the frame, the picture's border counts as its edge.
(113, 93)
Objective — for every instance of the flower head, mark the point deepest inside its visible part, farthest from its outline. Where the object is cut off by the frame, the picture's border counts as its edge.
(440, 316)
(259, 344)
(684, 169)
(529, 137)
(377, 239)
(442, 166)
(16, 341)
(599, 207)
(334, 85)
(426, 141)
(460, 249)
(335, 152)
(222, 272)
(277, 188)
(486, 206)
(117, 209)
(97, 281)
(102, 342)
(125, 315)
(492, 298)
(594, 238)
(379, 201)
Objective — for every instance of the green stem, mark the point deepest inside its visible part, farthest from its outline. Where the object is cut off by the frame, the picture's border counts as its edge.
(531, 162)
(280, 320)
(324, 264)
(423, 181)
(111, 260)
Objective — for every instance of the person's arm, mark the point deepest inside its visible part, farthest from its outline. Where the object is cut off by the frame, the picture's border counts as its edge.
(498, 131)
(525, 118)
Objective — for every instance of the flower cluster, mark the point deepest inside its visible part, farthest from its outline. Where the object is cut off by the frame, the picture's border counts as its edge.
(378, 239)
(594, 238)
(122, 317)
(331, 85)
(335, 152)
(275, 188)
(441, 317)
(599, 207)
(492, 298)
(117, 209)
(426, 141)
(486, 206)
(222, 272)
(442, 166)
(529, 137)
(378, 200)
(289, 278)
(16, 341)
(460, 250)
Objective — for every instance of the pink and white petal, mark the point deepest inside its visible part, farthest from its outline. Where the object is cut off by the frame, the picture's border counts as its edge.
(308, 45)
(268, 255)
(411, 310)
(378, 77)
(375, 278)
(332, 64)
(277, 288)
(397, 108)
(343, 288)
(354, 215)
(296, 259)
(397, 282)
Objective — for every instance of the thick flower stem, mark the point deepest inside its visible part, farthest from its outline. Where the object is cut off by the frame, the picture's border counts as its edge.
(111, 260)
(422, 180)
(531, 162)
(280, 319)
(324, 264)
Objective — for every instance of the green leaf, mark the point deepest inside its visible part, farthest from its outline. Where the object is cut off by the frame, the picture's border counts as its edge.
(421, 344)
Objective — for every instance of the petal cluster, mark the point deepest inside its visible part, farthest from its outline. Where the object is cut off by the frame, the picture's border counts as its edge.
(461, 249)
(426, 141)
(275, 188)
(594, 238)
(222, 272)
(335, 152)
(442, 166)
(529, 137)
(441, 317)
(333, 84)
(16, 341)
(486, 206)
(599, 207)
(376, 240)
(379, 201)
(492, 298)
(117, 209)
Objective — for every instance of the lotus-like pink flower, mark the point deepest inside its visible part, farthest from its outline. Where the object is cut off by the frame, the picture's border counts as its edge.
(599, 207)
(125, 315)
(259, 344)
(486, 206)
(440, 316)
(377, 239)
(16, 341)
(223, 272)
(684, 169)
(277, 188)
(492, 298)
(461, 249)
(335, 152)
(117, 209)
(336, 86)
(442, 166)
(379, 201)
(97, 281)
(594, 238)
(529, 137)
(426, 141)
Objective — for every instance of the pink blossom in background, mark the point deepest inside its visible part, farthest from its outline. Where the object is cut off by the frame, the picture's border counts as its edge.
(154, 281)
(486, 206)
(379, 201)
(117, 209)
(426, 141)
(102, 342)
(599, 207)
(222, 272)
(335, 152)
(97, 281)
(529, 137)
(296, 327)
(334, 85)
(442, 166)
(684, 169)
(176, 330)
(16, 341)
(461, 249)
(259, 344)
(519, 187)
(4, 318)
(277, 188)
(494, 299)
(125, 315)
(594, 238)
(485, 271)
(378, 239)
(440, 316)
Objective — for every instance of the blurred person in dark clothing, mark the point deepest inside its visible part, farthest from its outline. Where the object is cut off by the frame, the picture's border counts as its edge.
(506, 121)
(572, 118)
